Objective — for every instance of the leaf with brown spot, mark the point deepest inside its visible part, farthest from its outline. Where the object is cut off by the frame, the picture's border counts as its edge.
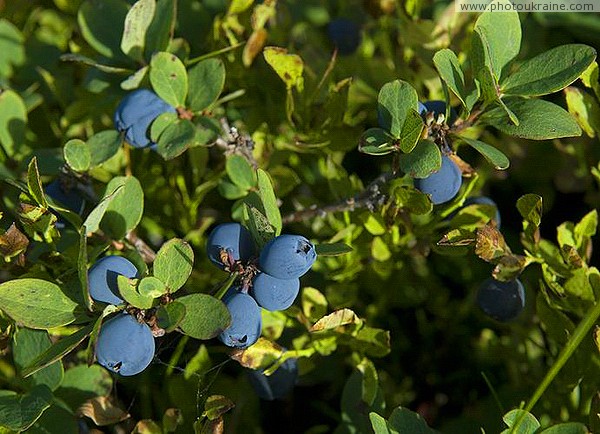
(216, 406)
(458, 237)
(509, 267)
(262, 354)
(490, 244)
(13, 242)
(336, 319)
(102, 411)
(255, 43)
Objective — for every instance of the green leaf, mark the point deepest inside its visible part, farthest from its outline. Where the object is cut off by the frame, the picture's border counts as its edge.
(176, 138)
(585, 109)
(376, 141)
(372, 341)
(158, 36)
(370, 382)
(539, 120)
(151, 286)
(567, 428)
(530, 208)
(550, 71)
(19, 412)
(333, 249)
(502, 30)
(169, 316)
(11, 47)
(230, 191)
(137, 21)
(482, 69)
(451, 73)
(207, 79)
(103, 145)
(240, 172)
(425, 159)
(27, 346)
(13, 118)
(394, 102)
(493, 155)
(36, 303)
(415, 201)
(160, 124)
(256, 221)
(57, 351)
(173, 264)
(269, 200)
(169, 78)
(529, 424)
(92, 222)
(134, 80)
(101, 24)
(239, 6)
(126, 208)
(128, 291)
(411, 131)
(406, 421)
(314, 303)
(289, 67)
(216, 406)
(34, 184)
(77, 155)
(205, 317)
(79, 58)
(379, 424)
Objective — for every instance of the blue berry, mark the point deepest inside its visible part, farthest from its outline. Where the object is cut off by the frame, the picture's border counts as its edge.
(287, 256)
(68, 198)
(102, 278)
(246, 322)
(278, 384)
(502, 301)
(232, 237)
(136, 112)
(483, 200)
(274, 294)
(422, 108)
(442, 185)
(124, 345)
(345, 35)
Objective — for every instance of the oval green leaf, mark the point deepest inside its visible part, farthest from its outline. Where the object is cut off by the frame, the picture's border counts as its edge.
(36, 303)
(206, 316)
(491, 154)
(206, 79)
(101, 24)
(169, 78)
(77, 155)
(173, 264)
(425, 159)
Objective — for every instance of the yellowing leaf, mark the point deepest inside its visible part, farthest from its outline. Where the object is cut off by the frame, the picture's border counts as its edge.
(289, 67)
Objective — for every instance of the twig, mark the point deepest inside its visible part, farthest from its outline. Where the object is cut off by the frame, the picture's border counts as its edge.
(233, 142)
(371, 198)
(145, 251)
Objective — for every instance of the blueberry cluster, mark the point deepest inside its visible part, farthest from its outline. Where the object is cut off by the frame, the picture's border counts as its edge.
(124, 345)
(273, 283)
(135, 114)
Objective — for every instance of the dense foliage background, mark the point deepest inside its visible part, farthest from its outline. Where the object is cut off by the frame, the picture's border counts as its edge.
(291, 140)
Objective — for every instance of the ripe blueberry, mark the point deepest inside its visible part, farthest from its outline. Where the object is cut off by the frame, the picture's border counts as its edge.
(442, 185)
(246, 322)
(502, 301)
(232, 237)
(102, 278)
(287, 256)
(136, 112)
(274, 294)
(124, 345)
(276, 385)
(345, 35)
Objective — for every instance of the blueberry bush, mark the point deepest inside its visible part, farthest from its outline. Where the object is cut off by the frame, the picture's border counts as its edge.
(233, 216)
